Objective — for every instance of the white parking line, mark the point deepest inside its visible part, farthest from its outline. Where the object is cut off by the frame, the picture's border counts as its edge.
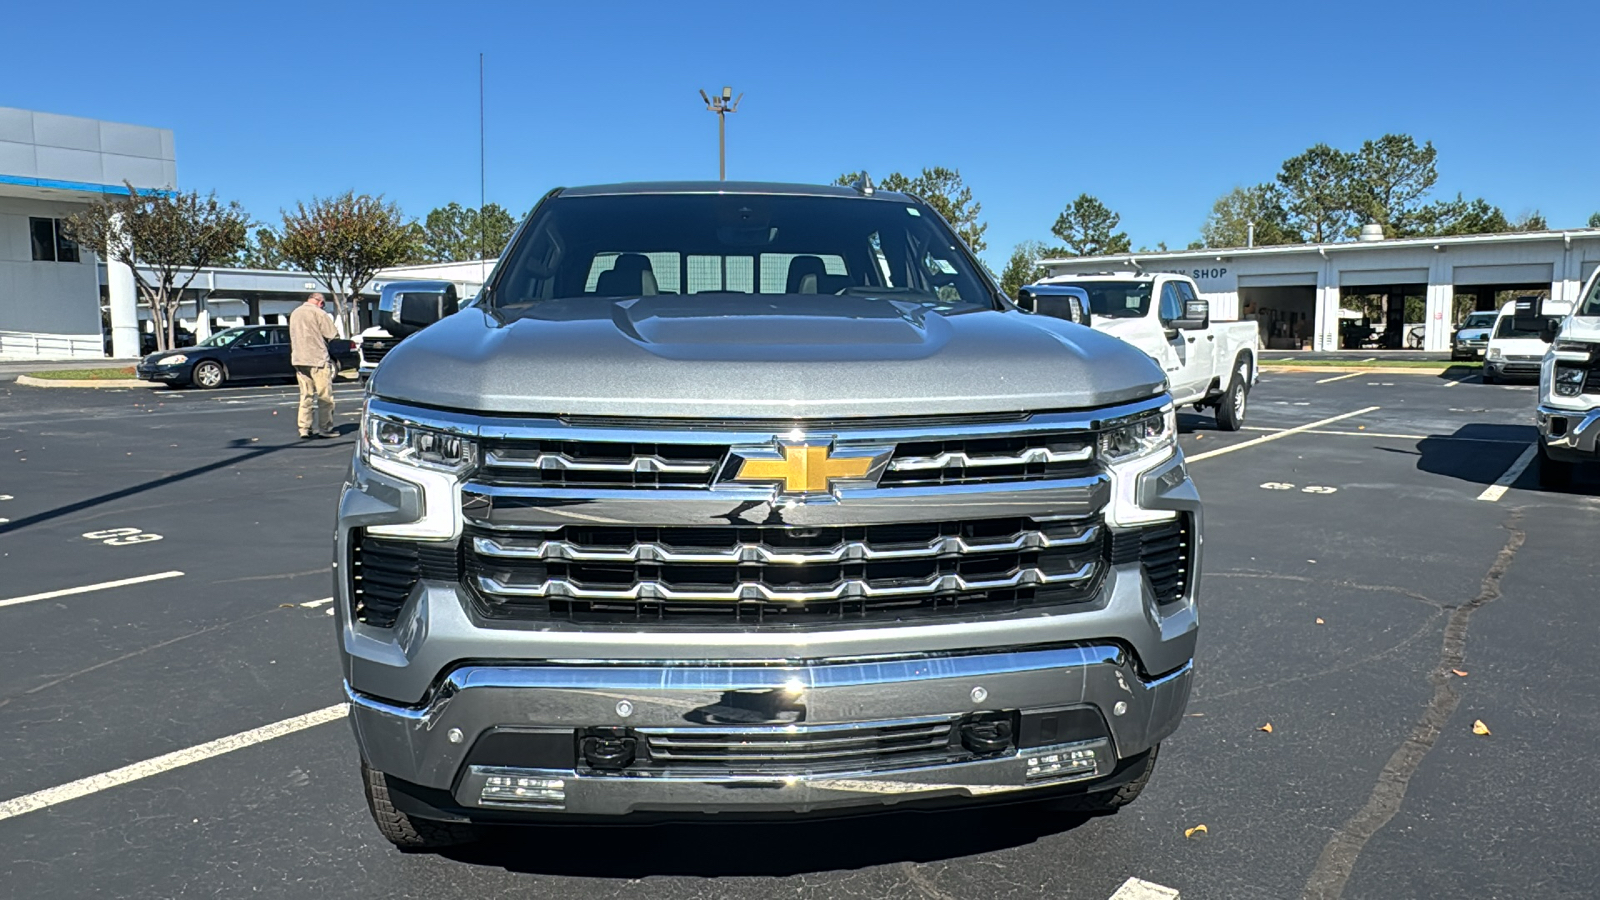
(1458, 381)
(66, 592)
(313, 604)
(1139, 889)
(1497, 490)
(1339, 377)
(1390, 434)
(1309, 426)
(83, 787)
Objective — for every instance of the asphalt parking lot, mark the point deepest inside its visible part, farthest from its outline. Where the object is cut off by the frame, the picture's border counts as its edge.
(1381, 572)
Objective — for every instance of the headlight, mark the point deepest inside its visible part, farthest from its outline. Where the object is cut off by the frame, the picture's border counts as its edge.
(1569, 382)
(1145, 435)
(413, 445)
(178, 360)
(1129, 448)
(1494, 352)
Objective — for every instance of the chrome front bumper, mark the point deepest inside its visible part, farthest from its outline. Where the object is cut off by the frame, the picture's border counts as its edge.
(431, 745)
(1569, 434)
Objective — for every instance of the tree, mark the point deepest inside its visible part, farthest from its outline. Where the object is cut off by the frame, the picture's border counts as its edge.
(1088, 228)
(1530, 221)
(1229, 224)
(171, 235)
(942, 189)
(1459, 216)
(343, 241)
(454, 233)
(1316, 188)
(1388, 178)
(1023, 266)
(1594, 220)
(261, 251)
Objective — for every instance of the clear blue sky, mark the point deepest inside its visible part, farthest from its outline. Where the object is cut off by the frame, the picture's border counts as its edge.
(1157, 109)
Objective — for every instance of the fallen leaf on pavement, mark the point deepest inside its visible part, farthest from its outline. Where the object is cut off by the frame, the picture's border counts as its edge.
(1458, 673)
(1267, 728)
(1198, 829)
(286, 606)
(1320, 622)
(1479, 728)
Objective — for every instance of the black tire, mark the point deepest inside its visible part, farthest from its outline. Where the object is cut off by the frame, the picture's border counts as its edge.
(208, 374)
(1110, 801)
(1488, 376)
(1231, 408)
(405, 831)
(1553, 473)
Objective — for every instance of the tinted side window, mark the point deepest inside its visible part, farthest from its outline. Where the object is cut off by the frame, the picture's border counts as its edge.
(254, 338)
(1171, 307)
(1185, 292)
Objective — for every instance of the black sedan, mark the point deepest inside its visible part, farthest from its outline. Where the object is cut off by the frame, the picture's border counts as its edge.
(252, 353)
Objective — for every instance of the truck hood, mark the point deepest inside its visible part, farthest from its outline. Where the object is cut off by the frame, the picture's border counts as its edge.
(744, 356)
(1581, 328)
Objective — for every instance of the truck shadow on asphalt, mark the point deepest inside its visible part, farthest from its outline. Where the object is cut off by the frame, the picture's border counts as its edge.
(1481, 454)
(784, 849)
(255, 451)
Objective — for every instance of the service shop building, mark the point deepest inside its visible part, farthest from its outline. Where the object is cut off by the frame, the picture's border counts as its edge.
(1298, 291)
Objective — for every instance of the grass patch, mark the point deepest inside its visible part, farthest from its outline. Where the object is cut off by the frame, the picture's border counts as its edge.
(1430, 365)
(119, 374)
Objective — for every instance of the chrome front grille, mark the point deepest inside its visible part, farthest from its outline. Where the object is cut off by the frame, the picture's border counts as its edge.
(601, 464)
(1012, 458)
(682, 464)
(784, 576)
(804, 749)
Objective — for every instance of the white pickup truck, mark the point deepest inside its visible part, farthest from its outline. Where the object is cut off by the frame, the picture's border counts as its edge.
(1569, 384)
(1208, 364)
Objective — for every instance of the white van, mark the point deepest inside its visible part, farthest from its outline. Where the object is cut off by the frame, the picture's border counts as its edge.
(1513, 351)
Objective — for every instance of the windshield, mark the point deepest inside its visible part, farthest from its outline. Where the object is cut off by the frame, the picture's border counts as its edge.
(738, 246)
(222, 338)
(1506, 327)
(1479, 320)
(1117, 299)
(1591, 303)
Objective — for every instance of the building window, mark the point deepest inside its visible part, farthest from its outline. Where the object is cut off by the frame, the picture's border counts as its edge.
(49, 243)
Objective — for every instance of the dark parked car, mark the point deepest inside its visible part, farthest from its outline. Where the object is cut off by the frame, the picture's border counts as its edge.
(251, 353)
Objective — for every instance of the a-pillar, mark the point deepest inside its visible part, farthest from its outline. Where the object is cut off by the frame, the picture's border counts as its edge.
(123, 301)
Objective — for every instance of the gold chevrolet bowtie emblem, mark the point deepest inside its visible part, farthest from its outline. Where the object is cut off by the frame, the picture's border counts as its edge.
(808, 468)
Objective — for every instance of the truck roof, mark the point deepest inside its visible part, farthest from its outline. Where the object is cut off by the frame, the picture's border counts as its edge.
(727, 187)
(1104, 276)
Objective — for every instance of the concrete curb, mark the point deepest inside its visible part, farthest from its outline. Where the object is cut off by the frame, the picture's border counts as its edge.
(30, 381)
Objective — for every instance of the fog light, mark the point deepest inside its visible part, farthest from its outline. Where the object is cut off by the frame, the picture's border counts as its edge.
(524, 789)
(1062, 762)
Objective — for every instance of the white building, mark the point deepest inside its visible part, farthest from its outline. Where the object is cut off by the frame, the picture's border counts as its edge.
(1298, 291)
(51, 167)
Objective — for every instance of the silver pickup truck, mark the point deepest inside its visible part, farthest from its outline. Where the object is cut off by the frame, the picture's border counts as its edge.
(757, 499)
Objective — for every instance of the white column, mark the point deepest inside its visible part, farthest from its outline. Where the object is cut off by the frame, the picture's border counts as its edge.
(1440, 310)
(123, 300)
(1327, 314)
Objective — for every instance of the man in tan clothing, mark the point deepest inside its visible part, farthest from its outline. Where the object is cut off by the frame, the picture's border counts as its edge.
(310, 329)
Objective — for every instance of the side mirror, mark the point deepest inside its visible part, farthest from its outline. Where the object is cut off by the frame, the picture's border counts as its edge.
(406, 307)
(1196, 316)
(1549, 329)
(1058, 301)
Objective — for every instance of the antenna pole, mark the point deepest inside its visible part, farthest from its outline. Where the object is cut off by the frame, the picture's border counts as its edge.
(483, 182)
(722, 104)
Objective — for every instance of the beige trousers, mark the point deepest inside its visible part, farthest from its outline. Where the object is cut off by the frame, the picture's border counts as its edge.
(316, 397)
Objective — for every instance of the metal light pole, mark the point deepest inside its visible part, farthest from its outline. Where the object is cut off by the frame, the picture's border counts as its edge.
(722, 105)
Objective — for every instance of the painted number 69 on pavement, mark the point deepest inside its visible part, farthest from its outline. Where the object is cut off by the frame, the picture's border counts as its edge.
(121, 537)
